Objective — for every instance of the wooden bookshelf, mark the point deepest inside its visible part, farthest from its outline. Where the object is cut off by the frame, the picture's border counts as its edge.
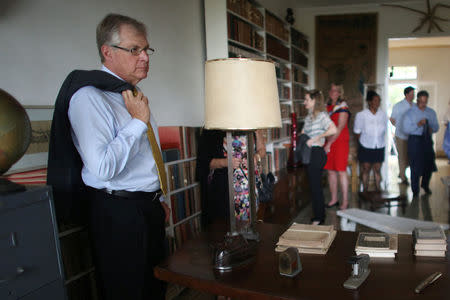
(236, 28)
(179, 147)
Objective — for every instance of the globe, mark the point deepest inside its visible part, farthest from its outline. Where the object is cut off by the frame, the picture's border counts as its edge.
(15, 131)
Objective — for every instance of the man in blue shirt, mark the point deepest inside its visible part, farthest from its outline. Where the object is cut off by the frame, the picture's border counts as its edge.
(420, 122)
(401, 138)
(117, 146)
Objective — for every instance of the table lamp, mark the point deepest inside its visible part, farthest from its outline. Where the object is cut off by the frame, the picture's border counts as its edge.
(241, 94)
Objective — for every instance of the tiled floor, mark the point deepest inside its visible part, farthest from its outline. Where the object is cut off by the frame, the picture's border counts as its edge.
(433, 207)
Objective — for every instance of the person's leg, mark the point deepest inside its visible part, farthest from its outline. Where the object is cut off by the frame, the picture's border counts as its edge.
(154, 247)
(116, 232)
(365, 172)
(333, 183)
(377, 174)
(426, 182)
(343, 180)
(315, 167)
(402, 149)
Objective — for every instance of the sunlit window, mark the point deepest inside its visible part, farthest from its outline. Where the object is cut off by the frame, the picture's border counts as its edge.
(402, 72)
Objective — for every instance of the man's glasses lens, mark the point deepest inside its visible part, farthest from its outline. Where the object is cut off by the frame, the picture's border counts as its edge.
(136, 51)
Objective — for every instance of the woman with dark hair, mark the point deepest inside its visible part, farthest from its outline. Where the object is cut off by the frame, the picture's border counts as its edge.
(317, 127)
(212, 167)
(370, 128)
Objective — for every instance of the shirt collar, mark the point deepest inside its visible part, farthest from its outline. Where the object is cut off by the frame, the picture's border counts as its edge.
(105, 69)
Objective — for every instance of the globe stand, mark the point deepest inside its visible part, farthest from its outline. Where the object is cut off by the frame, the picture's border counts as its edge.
(7, 187)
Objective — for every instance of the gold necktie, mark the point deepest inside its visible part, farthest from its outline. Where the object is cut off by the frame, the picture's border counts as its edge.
(158, 158)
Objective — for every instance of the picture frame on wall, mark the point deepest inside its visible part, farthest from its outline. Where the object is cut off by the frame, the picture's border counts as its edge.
(36, 156)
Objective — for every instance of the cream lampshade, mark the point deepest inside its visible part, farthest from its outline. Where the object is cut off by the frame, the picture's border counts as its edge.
(241, 94)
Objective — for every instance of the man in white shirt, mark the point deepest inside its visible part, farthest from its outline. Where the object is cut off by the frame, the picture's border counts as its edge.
(401, 138)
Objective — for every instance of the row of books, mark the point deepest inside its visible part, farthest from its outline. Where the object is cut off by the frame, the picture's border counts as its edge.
(282, 71)
(244, 33)
(185, 203)
(183, 232)
(285, 110)
(234, 51)
(299, 75)
(276, 48)
(429, 242)
(278, 133)
(247, 10)
(377, 244)
(183, 139)
(280, 155)
(181, 174)
(266, 163)
(299, 58)
(276, 27)
(300, 110)
(311, 239)
(299, 92)
(284, 92)
(299, 40)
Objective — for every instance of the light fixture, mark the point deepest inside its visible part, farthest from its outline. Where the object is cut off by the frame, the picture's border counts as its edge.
(240, 95)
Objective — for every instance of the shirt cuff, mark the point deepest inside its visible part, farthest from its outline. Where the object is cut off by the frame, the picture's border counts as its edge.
(136, 127)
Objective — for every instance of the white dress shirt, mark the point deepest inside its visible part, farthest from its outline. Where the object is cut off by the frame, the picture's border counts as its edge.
(114, 147)
(372, 128)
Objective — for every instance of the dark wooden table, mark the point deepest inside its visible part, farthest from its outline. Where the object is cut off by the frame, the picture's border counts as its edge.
(322, 276)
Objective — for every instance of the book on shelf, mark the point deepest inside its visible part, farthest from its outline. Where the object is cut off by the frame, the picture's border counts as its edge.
(185, 231)
(244, 33)
(299, 40)
(311, 239)
(432, 253)
(276, 48)
(276, 27)
(377, 244)
(178, 137)
(247, 10)
(299, 75)
(235, 51)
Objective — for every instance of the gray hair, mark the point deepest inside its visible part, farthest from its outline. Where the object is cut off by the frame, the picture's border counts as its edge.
(108, 30)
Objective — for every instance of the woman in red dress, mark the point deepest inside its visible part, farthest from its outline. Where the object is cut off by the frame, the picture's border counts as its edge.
(337, 147)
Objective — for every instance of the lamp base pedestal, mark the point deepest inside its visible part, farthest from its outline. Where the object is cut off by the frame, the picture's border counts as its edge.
(235, 251)
(250, 234)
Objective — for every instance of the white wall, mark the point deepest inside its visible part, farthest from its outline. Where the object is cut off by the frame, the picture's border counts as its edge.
(41, 41)
(433, 65)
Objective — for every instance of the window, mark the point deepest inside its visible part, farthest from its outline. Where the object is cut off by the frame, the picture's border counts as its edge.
(402, 72)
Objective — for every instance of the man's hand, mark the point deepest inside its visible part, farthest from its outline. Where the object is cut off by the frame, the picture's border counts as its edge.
(421, 122)
(327, 147)
(137, 105)
(166, 210)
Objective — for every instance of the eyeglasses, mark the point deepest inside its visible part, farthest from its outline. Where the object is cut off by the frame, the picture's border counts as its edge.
(136, 51)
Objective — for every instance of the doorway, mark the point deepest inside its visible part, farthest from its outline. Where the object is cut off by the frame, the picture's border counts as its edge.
(423, 63)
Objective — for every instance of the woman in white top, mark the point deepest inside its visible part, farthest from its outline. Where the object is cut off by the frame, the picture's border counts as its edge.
(370, 128)
(318, 125)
